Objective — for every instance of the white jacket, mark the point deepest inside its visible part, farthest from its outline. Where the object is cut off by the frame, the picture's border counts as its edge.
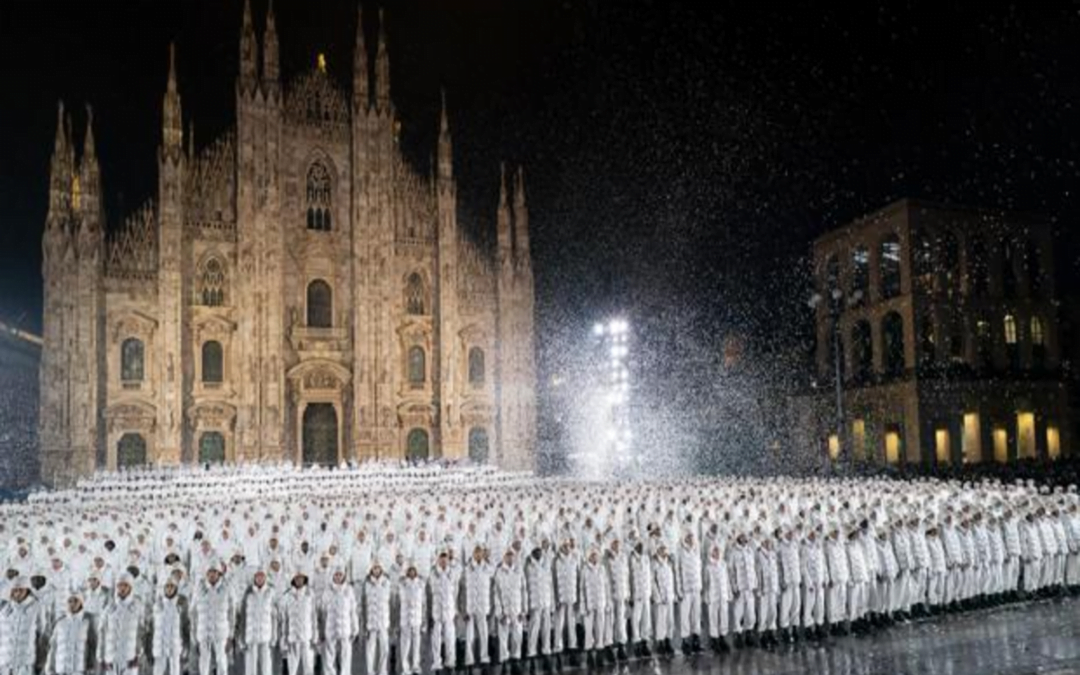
(260, 619)
(790, 566)
(743, 568)
(594, 587)
(21, 626)
(888, 567)
(509, 591)
(69, 645)
(815, 574)
(768, 567)
(717, 582)
(170, 629)
(1031, 543)
(297, 617)
(377, 604)
(689, 579)
(641, 581)
(411, 594)
(920, 550)
(837, 559)
(478, 588)
(123, 629)
(1011, 529)
(663, 581)
(444, 593)
(566, 578)
(538, 581)
(857, 563)
(938, 562)
(338, 613)
(213, 613)
(619, 573)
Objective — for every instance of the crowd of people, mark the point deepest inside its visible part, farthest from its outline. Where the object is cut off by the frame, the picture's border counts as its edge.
(269, 569)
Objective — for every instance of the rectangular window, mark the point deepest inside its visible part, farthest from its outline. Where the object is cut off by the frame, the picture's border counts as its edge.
(1001, 445)
(892, 447)
(1053, 443)
(941, 446)
(834, 447)
(1025, 435)
(972, 439)
(858, 439)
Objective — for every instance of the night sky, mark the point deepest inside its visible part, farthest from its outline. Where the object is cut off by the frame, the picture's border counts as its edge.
(679, 159)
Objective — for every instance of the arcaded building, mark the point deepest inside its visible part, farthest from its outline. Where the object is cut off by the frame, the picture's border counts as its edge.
(295, 290)
(943, 325)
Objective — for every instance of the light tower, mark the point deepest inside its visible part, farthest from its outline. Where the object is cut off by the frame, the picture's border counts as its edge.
(612, 382)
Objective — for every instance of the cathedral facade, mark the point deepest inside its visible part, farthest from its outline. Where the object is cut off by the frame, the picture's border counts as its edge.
(295, 291)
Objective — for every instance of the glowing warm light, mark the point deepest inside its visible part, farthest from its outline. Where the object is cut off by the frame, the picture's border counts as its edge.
(892, 447)
(972, 438)
(858, 438)
(1001, 445)
(834, 447)
(1053, 443)
(320, 60)
(1025, 435)
(941, 446)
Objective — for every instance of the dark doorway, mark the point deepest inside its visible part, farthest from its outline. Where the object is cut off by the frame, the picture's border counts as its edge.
(320, 434)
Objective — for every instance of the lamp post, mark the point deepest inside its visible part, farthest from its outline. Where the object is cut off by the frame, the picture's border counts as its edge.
(837, 296)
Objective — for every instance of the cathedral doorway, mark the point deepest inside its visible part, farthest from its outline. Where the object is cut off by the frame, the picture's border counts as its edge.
(211, 448)
(417, 446)
(320, 434)
(478, 445)
(131, 451)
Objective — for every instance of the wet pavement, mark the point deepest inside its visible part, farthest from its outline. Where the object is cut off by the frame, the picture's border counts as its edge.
(1039, 637)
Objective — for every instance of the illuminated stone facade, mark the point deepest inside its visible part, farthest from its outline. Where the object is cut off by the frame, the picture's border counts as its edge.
(295, 290)
(947, 324)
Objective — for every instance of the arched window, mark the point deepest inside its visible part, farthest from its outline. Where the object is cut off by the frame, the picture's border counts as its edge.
(417, 446)
(213, 366)
(1008, 270)
(984, 343)
(1038, 343)
(890, 267)
(319, 197)
(320, 305)
(478, 445)
(1012, 346)
(211, 289)
(131, 451)
(979, 267)
(862, 345)
(476, 366)
(892, 333)
(131, 360)
(860, 274)
(417, 367)
(832, 275)
(211, 448)
(950, 263)
(1033, 268)
(923, 259)
(414, 295)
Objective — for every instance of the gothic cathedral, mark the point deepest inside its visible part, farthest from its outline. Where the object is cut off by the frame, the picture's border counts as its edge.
(296, 291)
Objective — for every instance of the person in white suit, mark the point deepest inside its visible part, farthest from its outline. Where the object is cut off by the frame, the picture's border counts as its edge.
(444, 583)
(69, 644)
(377, 593)
(412, 592)
(340, 622)
(477, 596)
(717, 593)
(259, 626)
(298, 624)
(509, 607)
(171, 631)
(121, 648)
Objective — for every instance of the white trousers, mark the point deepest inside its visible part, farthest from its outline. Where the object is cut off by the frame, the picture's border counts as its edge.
(718, 618)
(258, 660)
(409, 649)
(615, 624)
(813, 606)
(641, 621)
(216, 652)
(509, 639)
(476, 629)
(301, 658)
(790, 599)
(443, 633)
(766, 610)
(594, 629)
(664, 620)
(836, 603)
(564, 623)
(743, 612)
(376, 652)
(331, 650)
(539, 631)
(690, 614)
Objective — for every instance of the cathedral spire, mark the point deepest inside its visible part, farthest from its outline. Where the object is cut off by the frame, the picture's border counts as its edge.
(382, 69)
(60, 171)
(505, 237)
(172, 122)
(89, 170)
(446, 150)
(361, 91)
(248, 50)
(271, 67)
(521, 217)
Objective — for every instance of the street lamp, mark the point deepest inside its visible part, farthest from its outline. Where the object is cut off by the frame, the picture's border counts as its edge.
(837, 295)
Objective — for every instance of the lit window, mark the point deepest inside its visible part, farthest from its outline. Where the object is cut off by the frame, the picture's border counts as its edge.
(1037, 336)
(1010, 329)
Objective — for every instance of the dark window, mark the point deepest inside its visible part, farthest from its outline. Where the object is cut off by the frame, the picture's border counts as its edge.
(950, 263)
(890, 267)
(417, 446)
(832, 275)
(1038, 343)
(211, 448)
(478, 445)
(476, 366)
(892, 332)
(1008, 270)
(213, 367)
(923, 255)
(927, 340)
(1033, 268)
(979, 268)
(320, 305)
(212, 283)
(862, 345)
(415, 295)
(860, 275)
(319, 197)
(417, 367)
(131, 451)
(131, 360)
